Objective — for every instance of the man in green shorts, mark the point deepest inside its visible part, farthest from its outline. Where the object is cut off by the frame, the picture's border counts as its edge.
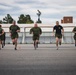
(3, 39)
(14, 29)
(1, 33)
(58, 34)
(36, 33)
(74, 31)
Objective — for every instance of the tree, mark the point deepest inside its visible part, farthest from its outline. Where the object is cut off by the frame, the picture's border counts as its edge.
(0, 21)
(8, 19)
(29, 19)
(22, 19)
(25, 19)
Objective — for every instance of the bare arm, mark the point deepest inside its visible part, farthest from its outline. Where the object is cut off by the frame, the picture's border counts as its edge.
(73, 31)
(63, 31)
(18, 31)
(31, 30)
(10, 30)
(2, 32)
(53, 32)
(40, 31)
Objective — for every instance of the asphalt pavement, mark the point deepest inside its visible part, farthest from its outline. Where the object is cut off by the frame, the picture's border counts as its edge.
(46, 60)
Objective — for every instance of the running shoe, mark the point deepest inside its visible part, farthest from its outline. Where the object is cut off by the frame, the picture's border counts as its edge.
(15, 48)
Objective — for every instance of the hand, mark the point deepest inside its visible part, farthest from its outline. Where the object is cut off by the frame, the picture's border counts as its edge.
(0, 34)
(31, 32)
(74, 31)
(62, 34)
(53, 34)
(10, 34)
(39, 34)
(17, 31)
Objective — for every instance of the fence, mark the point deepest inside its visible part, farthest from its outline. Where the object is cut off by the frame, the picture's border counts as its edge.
(46, 37)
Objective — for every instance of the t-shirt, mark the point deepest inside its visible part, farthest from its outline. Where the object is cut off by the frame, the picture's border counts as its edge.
(74, 29)
(36, 30)
(58, 29)
(1, 30)
(4, 35)
(14, 28)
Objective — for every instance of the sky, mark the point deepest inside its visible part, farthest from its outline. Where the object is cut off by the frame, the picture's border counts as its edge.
(51, 10)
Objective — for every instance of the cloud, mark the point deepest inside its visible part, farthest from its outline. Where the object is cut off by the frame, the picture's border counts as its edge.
(51, 10)
(3, 7)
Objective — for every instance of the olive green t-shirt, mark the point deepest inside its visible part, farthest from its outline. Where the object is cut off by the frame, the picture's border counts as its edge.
(14, 28)
(1, 30)
(74, 29)
(36, 30)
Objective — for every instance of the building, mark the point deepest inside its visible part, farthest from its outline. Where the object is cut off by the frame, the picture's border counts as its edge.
(67, 19)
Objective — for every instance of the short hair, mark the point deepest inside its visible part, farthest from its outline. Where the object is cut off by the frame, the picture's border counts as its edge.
(14, 21)
(57, 21)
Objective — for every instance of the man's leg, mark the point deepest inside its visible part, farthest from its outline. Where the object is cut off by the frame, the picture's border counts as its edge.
(75, 42)
(57, 42)
(34, 43)
(34, 38)
(13, 41)
(4, 42)
(16, 43)
(37, 41)
(60, 41)
(0, 44)
(75, 39)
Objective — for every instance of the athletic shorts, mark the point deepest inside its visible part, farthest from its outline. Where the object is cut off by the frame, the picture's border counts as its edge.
(58, 35)
(3, 37)
(13, 36)
(35, 37)
(0, 37)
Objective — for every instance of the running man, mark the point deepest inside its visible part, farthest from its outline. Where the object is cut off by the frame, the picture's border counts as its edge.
(74, 31)
(36, 31)
(58, 34)
(3, 39)
(1, 33)
(14, 29)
